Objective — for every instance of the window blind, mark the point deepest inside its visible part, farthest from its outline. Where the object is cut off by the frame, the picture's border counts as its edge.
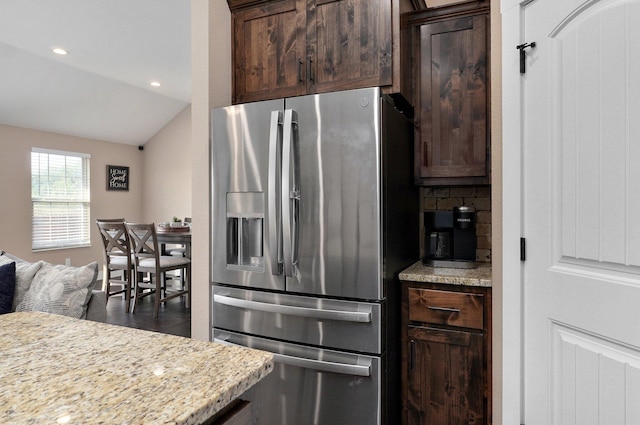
(60, 197)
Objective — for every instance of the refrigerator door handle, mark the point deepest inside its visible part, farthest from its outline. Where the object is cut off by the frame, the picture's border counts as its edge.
(316, 313)
(290, 193)
(361, 369)
(275, 177)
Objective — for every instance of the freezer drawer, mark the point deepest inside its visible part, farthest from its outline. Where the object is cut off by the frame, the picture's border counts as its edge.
(313, 385)
(339, 324)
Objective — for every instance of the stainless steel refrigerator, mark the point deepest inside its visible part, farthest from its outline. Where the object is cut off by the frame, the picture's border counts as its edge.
(313, 215)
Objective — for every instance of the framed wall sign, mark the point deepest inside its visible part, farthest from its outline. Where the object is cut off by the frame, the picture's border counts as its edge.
(117, 177)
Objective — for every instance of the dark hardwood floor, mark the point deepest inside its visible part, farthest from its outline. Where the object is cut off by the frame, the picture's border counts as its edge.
(174, 318)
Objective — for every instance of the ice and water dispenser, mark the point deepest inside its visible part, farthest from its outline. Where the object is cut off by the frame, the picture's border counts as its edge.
(245, 221)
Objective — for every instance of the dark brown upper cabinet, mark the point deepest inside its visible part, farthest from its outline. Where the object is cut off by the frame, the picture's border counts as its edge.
(292, 47)
(452, 102)
(268, 50)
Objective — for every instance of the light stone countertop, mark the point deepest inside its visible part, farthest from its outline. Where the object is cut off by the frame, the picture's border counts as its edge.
(418, 272)
(60, 370)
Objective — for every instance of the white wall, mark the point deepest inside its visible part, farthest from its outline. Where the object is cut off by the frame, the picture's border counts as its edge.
(211, 87)
(167, 171)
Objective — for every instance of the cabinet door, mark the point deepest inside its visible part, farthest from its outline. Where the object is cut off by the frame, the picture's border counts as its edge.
(350, 44)
(453, 133)
(269, 51)
(445, 382)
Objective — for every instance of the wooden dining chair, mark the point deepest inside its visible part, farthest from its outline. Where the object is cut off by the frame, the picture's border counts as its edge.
(146, 253)
(117, 258)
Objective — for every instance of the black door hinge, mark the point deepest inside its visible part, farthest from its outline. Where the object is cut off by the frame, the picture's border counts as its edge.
(523, 55)
(523, 249)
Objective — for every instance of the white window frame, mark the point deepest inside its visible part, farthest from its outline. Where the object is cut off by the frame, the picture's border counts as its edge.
(59, 218)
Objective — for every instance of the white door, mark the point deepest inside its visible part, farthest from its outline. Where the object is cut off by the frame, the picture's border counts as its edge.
(581, 118)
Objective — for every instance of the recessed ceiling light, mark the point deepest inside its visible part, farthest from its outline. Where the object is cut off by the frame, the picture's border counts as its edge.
(60, 51)
(155, 84)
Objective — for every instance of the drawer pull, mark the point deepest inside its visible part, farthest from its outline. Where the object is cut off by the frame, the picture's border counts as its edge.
(444, 309)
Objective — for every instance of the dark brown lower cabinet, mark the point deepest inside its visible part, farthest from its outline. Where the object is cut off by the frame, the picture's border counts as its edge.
(445, 366)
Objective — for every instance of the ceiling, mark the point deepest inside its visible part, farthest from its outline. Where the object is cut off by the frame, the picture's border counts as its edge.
(101, 89)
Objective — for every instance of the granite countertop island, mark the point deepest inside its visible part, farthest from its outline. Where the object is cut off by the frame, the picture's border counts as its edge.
(418, 272)
(60, 370)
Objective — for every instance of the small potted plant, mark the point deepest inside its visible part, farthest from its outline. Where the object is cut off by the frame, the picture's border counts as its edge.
(176, 222)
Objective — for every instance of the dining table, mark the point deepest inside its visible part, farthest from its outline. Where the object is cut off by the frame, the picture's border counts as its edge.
(174, 235)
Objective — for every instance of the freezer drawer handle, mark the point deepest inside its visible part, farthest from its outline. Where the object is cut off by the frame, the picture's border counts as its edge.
(323, 366)
(344, 369)
(345, 316)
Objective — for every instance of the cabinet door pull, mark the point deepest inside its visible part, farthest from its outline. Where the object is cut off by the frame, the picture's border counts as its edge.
(300, 78)
(412, 356)
(444, 309)
(309, 70)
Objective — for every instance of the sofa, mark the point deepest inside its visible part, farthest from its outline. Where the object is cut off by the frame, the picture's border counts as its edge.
(50, 288)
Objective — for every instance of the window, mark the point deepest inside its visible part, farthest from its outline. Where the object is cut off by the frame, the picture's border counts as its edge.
(60, 199)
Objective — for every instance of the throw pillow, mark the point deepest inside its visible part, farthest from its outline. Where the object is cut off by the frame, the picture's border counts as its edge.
(7, 287)
(25, 272)
(61, 289)
(8, 257)
(4, 259)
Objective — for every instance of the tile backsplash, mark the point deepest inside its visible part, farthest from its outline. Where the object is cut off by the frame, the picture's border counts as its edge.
(443, 198)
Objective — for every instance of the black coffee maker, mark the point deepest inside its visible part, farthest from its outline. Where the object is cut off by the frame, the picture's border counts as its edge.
(450, 238)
